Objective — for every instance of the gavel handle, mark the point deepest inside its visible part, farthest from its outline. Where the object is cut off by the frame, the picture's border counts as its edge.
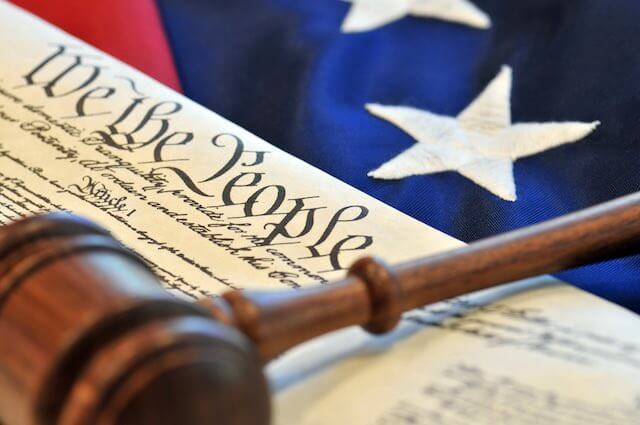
(375, 296)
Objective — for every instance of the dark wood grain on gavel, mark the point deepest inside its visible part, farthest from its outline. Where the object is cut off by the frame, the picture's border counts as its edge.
(88, 337)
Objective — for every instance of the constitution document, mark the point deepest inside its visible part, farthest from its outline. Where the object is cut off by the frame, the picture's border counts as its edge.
(211, 207)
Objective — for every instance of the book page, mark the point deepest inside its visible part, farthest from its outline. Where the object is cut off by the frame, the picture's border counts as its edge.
(211, 207)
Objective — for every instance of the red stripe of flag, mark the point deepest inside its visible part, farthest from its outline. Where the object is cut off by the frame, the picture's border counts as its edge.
(132, 31)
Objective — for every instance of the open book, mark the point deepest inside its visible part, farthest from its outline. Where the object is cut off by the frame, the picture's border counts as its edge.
(212, 207)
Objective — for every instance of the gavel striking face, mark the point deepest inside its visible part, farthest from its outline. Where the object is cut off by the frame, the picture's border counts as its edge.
(89, 337)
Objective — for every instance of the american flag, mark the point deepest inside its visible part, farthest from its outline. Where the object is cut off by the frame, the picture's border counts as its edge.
(473, 116)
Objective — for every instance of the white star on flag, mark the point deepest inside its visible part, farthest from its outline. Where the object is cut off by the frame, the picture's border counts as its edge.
(481, 143)
(366, 15)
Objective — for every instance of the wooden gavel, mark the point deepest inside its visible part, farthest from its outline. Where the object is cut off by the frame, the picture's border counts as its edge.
(88, 336)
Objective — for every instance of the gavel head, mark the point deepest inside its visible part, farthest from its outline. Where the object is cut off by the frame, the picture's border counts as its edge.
(88, 337)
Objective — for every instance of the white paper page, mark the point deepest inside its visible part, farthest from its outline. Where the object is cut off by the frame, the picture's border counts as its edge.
(212, 207)
(526, 353)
